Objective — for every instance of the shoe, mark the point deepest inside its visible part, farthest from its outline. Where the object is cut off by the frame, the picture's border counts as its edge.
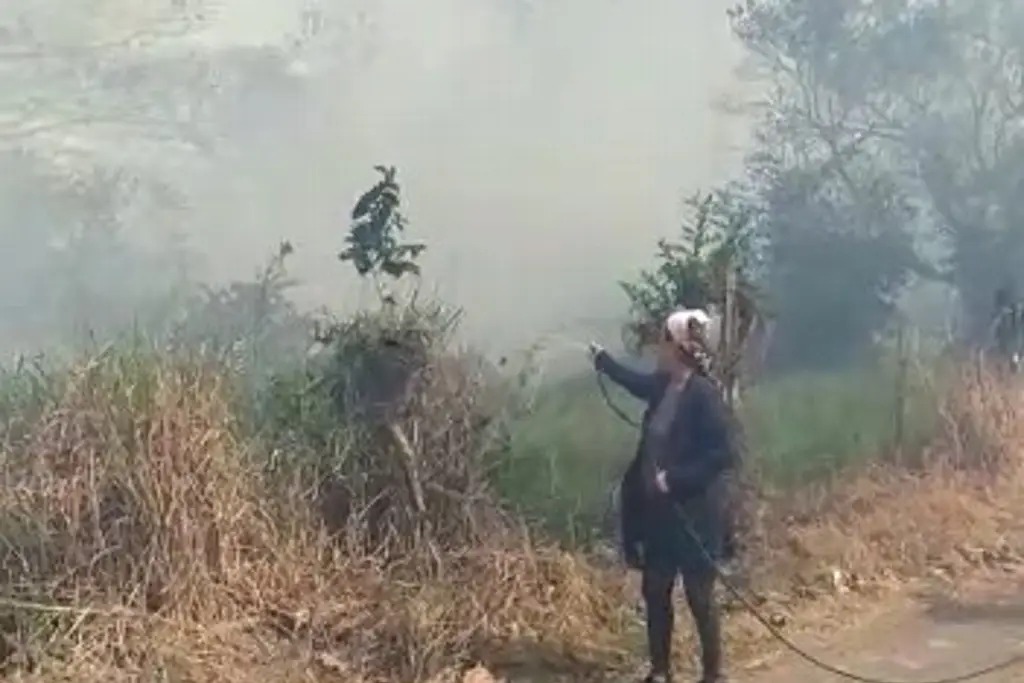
(658, 678)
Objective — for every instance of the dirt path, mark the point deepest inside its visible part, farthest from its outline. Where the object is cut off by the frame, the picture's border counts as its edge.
(936, 635)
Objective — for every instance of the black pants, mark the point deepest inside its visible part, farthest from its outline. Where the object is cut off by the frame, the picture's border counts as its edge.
(700, 597)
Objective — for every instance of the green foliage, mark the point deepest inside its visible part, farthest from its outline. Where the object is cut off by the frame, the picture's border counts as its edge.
(250, 322)
(839, 200)
(691, 272)
(835, 270)
(27, 388)
(922, 96)
(810, 426)
(565, 456)
(374, 245)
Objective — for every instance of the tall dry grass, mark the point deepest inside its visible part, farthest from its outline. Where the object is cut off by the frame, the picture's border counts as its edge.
(143, 537)
(947, 508)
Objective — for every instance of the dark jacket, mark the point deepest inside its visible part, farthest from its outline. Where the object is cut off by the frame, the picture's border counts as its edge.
(655, 527)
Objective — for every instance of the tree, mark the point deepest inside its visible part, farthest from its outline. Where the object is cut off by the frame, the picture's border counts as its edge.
(924, 97)
(833, 273)
(716, 259)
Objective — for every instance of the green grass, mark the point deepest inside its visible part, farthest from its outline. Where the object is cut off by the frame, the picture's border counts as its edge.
(566, 457)
(809, 426)
(569, 453)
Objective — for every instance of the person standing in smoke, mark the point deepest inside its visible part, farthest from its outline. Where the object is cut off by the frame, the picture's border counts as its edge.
(674, 514)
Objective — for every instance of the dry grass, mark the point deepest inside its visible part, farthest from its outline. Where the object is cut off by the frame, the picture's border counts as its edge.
(817, 552)
(898, 519)
(143, 540)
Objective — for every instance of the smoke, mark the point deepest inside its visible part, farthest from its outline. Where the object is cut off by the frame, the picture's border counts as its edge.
(542, 146)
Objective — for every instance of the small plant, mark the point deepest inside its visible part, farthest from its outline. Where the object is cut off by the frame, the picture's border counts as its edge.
(694, 272)
(253, 323)
(373, 244)
(376, 353)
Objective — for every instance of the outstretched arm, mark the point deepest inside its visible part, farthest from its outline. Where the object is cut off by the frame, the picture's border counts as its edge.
(639, 384)
(693, 472)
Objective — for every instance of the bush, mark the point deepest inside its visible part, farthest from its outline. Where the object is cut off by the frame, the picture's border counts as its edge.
(420, 425)
(251, 326)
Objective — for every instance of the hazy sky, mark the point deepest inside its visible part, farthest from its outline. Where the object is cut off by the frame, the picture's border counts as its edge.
(543, 147)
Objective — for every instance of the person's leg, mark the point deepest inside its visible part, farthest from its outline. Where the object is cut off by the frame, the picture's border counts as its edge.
(700, 596)
(657, 591)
